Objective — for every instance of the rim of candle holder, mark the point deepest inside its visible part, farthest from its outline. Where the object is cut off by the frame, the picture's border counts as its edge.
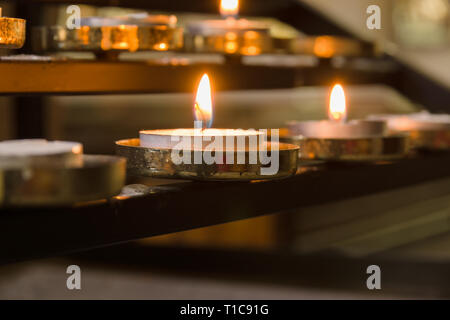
(57, 184)
(100, 39)
(362, 149)
(12, 32)
(157, 163)
(71, 155)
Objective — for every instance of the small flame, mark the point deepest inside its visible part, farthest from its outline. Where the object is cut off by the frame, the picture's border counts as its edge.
(337, 110)
(203, 102)
(324, 47)
(229, 8)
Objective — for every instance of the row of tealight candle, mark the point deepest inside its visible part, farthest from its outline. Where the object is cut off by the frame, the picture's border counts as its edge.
(379, 137)
(39, 172)
(229, 35)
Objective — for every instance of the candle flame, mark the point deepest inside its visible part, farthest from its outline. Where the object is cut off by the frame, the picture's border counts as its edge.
(203, 102)
(337, 110)
(229, 8)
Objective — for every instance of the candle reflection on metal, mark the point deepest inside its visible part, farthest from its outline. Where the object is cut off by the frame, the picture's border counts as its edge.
(204, 153)
(120, 38)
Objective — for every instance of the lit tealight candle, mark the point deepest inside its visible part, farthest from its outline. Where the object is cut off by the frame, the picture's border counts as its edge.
(229, 35)
(339, 140)
(337, 127)
(204, 153)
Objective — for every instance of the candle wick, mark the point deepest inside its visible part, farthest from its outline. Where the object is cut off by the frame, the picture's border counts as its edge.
(201, 116)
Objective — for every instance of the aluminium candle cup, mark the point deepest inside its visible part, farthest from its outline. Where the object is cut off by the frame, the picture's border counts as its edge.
(228, 36)
(157, 162)
(12, 32)
(19, 153)
(362, 142)
(98, 35)
(390, 147)
(56, 184)
(426, 131)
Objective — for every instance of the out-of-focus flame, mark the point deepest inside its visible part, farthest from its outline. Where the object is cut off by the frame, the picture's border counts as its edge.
(162, 46)
(203, 102)
(229, 8)
(324, 47)
(337, 109)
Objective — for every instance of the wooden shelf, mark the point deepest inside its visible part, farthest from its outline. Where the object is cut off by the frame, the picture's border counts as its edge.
(120, 77)
(98, 77)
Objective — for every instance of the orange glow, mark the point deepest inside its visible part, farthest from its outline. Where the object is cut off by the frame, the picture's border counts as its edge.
(229, 7)
(231, 47)
(337, 110)
(83, 34)
(324, 47)
(203, 102)
(161, 46)
(231, 36)
(122, 37)
(251, 35)
(251, 50)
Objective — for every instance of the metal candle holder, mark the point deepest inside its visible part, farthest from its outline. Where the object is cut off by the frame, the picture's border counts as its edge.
(231, 37)
(12, 32)
(356, 140)
(55, 184)
(152, 162)
(425, 130)
(111, 35)
(351, 149)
